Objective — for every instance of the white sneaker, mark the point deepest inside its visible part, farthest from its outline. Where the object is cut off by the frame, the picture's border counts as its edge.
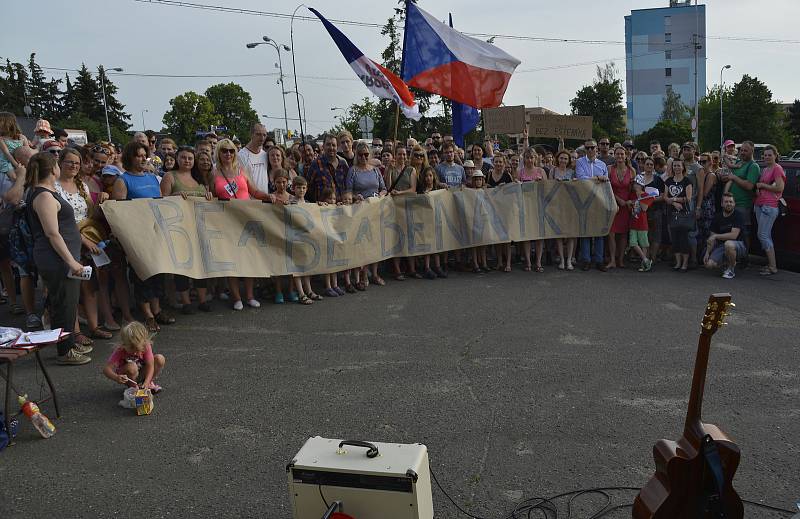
(238, 306)
(729, 274)
(252, 303)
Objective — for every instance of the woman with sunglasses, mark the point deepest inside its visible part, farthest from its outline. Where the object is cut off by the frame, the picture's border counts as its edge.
(705, 208)
(232, 183)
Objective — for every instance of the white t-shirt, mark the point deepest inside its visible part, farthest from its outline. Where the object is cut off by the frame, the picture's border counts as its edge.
(256, 166)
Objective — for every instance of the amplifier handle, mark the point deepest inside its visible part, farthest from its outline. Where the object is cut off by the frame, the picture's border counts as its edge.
(372, 451)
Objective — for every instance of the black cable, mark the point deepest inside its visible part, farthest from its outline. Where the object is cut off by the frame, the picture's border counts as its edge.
(768, 507)
(323, 497)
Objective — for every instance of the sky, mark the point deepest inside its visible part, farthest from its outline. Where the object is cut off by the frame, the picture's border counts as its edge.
(149, 38)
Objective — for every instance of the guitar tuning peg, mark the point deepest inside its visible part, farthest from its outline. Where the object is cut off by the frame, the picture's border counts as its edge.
(730, 305)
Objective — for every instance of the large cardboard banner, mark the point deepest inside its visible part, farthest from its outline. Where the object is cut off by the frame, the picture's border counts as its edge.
(504, 119)
(206, 239)
(576, 127)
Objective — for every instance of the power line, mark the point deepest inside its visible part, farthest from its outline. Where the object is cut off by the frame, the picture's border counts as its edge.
(286, 16)
(184, 76)
(584, 63)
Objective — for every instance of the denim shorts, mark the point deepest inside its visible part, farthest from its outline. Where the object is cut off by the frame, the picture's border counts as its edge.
(718, 252)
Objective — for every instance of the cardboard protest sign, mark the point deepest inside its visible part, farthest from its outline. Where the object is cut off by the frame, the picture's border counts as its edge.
(577, 127)
(204, 239)
(504, 119)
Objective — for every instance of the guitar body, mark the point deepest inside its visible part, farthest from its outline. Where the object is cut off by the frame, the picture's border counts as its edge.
(694, 476)
(681, 483)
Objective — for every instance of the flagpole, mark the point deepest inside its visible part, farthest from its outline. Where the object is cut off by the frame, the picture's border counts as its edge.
(396, 124)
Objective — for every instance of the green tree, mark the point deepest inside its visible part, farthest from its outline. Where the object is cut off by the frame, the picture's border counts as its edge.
(188, 113)
(793, 123)
(232, 104)
(674, 109)
(37, 89)
(86, 96)
(665, 132)
(749, 114)
(12, 87)
(603, 101)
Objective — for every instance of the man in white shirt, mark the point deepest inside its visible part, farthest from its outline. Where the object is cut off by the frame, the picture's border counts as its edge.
(254, 159)
(591, 167)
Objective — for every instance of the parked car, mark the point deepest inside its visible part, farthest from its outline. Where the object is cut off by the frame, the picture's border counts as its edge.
(786, 231)
(792, 156)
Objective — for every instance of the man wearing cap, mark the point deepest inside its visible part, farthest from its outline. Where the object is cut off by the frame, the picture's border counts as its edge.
(108, 175)
(52, 146)
(591, 167)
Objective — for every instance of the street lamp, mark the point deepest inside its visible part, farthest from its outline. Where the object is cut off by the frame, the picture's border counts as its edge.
(721, 131)
(277, 47)
(341, 117)
(294, 71)
(144, 126)
(303, 118)
(105, 104)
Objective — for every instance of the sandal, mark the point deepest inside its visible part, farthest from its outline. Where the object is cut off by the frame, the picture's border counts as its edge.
(526, 268)
(400, 277)
(507, 269)
(768, 272)
(314, 296)
(379, 281)
(350, 289)
(164, 318)
(361, 286)
(305, 300)
(83, 340)
(99, 333)
(111, 327)
(152, 325)
(540, 269)
(16, 309)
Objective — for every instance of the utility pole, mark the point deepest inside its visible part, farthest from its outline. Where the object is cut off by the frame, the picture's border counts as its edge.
(697, 47)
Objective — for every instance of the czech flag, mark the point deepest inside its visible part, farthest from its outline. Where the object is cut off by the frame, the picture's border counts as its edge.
(439, 59)
(376, 77)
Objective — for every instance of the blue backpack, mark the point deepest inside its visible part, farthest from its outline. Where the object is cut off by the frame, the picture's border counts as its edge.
(20, 240)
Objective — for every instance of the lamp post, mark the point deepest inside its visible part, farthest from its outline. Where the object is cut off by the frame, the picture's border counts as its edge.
(144, 126)
(105, 104)
(303, 118)
(277, 47)
(294, 71)
(721, 130)
(341, 117)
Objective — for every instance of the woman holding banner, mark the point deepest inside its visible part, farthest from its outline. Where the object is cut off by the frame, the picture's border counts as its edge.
(563, 171)
(401, 179)
(136, 183)
(531, 171)
(232, 183)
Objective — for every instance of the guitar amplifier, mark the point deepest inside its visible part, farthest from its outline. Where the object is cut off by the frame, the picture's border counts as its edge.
(371, 480)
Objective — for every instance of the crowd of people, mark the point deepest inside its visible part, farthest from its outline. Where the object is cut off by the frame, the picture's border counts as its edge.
(682, 206)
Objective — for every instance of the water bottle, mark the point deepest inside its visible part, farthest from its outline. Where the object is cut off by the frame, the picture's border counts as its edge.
(39, 421)
(103, 244)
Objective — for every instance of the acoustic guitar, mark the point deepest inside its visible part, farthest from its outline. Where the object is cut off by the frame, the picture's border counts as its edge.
(694, 476)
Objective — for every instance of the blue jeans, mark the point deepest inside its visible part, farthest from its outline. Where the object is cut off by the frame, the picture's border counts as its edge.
(765, 216)
(586, 243)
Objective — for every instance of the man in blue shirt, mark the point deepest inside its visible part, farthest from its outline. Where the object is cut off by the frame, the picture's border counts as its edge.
(448, 171)
(591, 167)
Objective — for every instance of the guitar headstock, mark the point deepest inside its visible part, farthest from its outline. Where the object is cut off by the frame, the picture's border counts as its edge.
(717, 309)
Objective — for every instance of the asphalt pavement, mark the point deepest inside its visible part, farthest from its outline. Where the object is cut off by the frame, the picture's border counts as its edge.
(520, 385)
